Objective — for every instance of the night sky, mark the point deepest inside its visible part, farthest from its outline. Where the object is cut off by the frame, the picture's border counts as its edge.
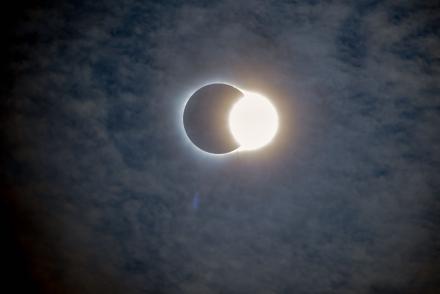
(101, 191)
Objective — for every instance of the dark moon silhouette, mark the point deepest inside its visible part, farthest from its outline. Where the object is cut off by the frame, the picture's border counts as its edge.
(205, 118)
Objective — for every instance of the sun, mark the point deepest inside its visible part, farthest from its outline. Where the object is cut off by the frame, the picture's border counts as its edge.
(253, 121)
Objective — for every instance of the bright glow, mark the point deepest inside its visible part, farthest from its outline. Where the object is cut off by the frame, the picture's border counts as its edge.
(253, 121)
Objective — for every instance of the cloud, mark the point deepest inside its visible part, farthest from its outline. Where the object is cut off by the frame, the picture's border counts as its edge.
(344, 203)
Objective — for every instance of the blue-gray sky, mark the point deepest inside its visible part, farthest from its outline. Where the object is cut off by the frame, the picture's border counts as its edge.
(99, 181)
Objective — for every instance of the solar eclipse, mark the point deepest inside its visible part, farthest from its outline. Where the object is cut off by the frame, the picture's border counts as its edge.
(220, 118)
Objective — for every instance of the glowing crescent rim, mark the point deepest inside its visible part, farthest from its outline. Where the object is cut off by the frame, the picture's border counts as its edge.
(246, 95)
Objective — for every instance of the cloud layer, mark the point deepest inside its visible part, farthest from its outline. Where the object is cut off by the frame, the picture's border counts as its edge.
(344, 201)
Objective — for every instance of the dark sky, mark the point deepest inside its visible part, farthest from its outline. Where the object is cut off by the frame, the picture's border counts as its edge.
(101, 192)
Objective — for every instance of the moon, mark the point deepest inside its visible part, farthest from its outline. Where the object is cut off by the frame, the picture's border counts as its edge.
(205, 118)
(220, 118)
